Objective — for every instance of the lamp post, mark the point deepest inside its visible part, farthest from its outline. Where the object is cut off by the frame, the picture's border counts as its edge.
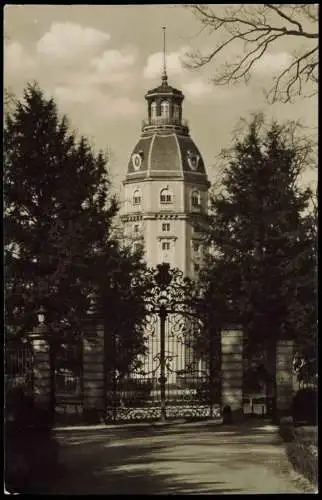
(41, 316)
(163, 279)
(43, 387)
(43, 336)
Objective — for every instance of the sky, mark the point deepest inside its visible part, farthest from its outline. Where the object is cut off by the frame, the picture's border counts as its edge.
(99, 61)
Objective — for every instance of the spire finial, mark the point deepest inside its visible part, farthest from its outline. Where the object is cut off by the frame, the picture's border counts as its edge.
(164, 73)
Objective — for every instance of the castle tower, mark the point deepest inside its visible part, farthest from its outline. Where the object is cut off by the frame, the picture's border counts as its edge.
(166, 185)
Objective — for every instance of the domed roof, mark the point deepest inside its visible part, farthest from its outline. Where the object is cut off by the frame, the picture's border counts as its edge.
(165, 154)
(165, 88)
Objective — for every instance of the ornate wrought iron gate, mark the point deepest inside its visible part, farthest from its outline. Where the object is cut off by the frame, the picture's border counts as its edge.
(177, 375)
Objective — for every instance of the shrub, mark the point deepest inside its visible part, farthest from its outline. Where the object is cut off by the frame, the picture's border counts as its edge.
(286, 429)
(301, 448)
(227, 414)
(305, 406)
(303, 458)
(30, 451)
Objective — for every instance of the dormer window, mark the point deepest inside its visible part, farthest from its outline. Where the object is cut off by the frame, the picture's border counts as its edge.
(165, 109)
(165, 196)
(137, 197)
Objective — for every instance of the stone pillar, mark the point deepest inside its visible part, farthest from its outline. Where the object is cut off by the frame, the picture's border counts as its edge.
(284, 375)
(232, 368)
(41, 368)
(93, 372)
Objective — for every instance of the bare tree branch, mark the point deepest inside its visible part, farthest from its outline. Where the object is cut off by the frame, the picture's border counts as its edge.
(284, 16)
(296, 78)
(259, 27)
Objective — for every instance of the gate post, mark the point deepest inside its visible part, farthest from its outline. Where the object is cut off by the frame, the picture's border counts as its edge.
(93, 372)
(232, 368)
(284, 375)
(42, 380)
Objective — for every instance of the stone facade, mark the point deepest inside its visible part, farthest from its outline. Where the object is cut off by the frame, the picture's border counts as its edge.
(166, 185)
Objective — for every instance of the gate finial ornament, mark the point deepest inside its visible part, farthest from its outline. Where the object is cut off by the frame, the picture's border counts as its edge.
(163, 277)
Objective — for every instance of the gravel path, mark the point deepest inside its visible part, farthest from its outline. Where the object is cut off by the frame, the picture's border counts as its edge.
(186, 458)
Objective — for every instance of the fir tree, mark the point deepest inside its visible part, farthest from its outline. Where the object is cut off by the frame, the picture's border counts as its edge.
(59, 249)
(262, 270)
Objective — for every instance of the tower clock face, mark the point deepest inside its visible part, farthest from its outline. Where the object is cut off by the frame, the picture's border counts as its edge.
(193, 160)
(136, 161)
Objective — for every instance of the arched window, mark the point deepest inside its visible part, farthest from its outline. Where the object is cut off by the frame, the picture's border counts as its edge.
(137, 197)
(195, 199)
(176, 112)
(165, 109)
(153, 109)
(165, 196)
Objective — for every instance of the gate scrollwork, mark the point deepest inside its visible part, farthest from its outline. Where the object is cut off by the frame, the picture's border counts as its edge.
(174, 377)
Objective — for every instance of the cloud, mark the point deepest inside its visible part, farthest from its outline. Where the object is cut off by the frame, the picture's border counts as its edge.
(113, 66)
(80, 94)
(197, 90)
(269, 64)
(81, 73)
(174, 60)
(101, 104)
(107, 74)
(118, 107)
(65, 40)
(17, 60)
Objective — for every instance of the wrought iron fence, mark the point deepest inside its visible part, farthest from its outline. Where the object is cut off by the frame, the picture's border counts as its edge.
(162, 120)
(68, 370)
(308, 384)
(19, 366)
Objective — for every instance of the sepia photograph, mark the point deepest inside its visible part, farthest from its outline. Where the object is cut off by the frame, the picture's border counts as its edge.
(160, 214)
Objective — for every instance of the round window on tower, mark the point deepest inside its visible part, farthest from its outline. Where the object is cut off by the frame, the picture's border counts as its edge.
(136, 161)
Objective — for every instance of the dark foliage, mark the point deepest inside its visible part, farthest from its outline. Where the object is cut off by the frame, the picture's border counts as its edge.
(60, 252)
(261, 271)
(31, 452)
(305, 406)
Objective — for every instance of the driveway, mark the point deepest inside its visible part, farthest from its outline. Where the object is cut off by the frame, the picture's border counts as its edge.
(173, 459)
